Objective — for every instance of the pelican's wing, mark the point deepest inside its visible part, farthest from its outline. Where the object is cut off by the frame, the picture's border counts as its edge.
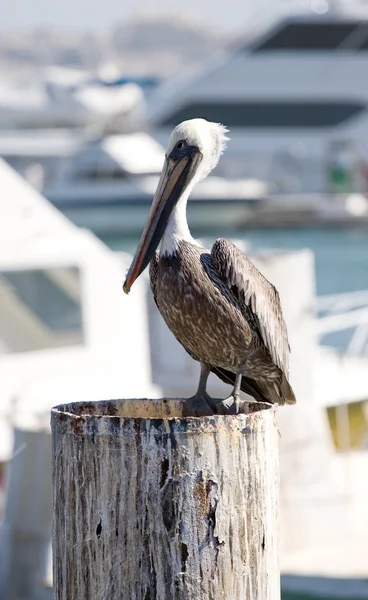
(249, 286)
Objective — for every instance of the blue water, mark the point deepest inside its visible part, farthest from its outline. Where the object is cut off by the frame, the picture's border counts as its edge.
(341, 255)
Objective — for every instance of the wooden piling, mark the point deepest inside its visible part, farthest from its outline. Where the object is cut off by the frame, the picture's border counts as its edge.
(151, 504)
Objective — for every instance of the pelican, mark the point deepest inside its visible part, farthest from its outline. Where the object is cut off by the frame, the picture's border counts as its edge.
(218, 305)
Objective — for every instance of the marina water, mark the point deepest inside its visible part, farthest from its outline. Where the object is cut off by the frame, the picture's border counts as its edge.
(341, 255)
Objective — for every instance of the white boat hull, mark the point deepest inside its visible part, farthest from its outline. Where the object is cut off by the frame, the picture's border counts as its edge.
(118, 215)
(129, 217)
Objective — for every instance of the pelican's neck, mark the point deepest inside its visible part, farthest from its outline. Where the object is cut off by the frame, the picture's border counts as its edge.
(177, 229)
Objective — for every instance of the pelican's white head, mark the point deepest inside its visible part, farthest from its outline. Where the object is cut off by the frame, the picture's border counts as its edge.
(193, 151)
(209, 138)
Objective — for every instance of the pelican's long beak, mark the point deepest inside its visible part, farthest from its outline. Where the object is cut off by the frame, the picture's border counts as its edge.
(175, 177)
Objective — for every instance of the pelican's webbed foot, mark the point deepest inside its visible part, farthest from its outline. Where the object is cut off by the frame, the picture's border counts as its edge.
(201, 405)
(232, 405)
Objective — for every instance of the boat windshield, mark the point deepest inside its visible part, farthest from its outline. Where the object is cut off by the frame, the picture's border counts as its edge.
(316, 36)
(40, 309)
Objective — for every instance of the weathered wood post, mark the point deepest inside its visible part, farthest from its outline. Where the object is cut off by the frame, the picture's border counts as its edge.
(151, 504)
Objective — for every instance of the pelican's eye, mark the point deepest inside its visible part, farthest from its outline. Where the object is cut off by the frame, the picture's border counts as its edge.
(179, 150)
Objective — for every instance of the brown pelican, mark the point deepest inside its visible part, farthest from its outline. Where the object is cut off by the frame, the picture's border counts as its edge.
(217, 304)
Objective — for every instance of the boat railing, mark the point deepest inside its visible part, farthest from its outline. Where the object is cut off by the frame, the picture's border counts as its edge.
(348, 313)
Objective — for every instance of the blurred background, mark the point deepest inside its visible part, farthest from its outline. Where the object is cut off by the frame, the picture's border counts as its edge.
(89, 92)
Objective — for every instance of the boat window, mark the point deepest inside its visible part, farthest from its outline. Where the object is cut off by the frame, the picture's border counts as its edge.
(96, 165)
(100, 174)
(40, 309)
(349, 426)
(269, 114)
(308, 36)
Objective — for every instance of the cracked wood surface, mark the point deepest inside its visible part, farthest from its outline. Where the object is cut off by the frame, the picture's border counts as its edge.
(153, 505)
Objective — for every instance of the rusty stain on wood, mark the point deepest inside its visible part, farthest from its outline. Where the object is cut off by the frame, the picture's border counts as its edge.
(151, 504)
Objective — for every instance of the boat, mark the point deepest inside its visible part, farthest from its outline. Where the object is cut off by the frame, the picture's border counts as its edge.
(64, 327)
(294, 96)
(37, 154)
(107, 183)
(107, 186)
(68, 98)
(55, 283)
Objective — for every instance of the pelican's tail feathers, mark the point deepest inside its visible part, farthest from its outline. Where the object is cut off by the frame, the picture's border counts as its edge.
(272, 392)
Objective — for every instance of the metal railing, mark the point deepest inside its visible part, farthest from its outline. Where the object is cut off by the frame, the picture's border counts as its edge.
(348, 311)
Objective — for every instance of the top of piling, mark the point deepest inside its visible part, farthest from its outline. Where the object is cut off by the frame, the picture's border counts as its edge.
(116, 415)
